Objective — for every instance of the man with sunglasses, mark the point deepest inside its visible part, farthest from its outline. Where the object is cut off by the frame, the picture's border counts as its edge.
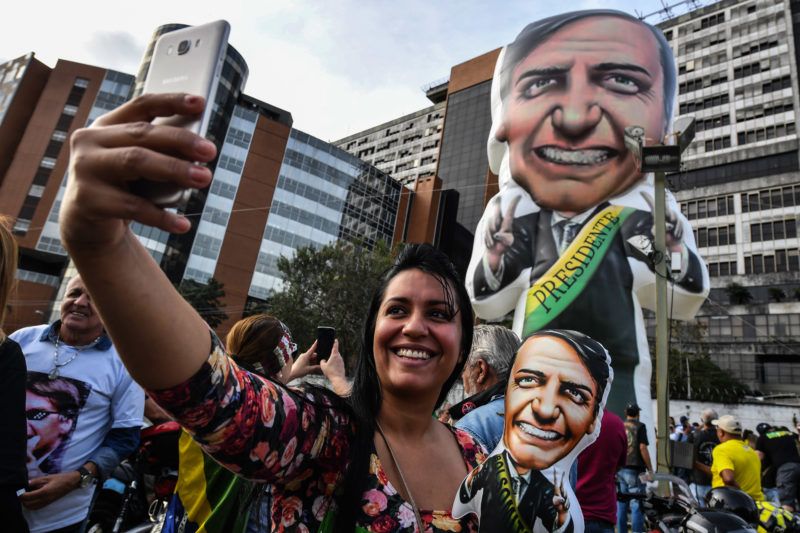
(83, 413)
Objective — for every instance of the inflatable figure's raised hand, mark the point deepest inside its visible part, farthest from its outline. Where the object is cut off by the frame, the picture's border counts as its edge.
(560, 501)
(499, 235)
(674, 230)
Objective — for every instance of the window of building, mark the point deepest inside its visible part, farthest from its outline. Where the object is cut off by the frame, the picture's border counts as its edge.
(238, 138)
(722, 268)
(53, 148)
(766, 132)
(64, 122)
(718, 143)
(787, 260)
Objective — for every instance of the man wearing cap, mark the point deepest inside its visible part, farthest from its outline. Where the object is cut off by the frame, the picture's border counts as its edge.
(735, 464)
(704, 442)
(636, 463)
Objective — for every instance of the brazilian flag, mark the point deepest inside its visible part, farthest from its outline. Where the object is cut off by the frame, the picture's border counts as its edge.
(208, 498)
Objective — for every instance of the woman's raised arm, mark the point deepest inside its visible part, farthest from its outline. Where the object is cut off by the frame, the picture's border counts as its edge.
(161, 339)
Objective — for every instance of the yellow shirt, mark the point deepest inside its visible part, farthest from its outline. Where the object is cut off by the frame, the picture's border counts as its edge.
(736, 455)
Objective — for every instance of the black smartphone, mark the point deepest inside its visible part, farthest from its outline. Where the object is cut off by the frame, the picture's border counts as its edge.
(188, 60)
(325, 337)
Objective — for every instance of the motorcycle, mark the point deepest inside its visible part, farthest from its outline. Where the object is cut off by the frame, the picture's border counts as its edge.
(135, 498)
(764, 515)
(669, 507)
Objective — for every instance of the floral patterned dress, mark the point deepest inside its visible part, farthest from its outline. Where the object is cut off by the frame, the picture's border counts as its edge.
(298, 441)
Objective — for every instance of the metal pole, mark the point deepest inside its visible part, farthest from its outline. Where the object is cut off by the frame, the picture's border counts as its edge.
(662, 318)
(688, 381)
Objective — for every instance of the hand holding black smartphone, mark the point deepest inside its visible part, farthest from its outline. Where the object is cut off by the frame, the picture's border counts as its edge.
(325, 337)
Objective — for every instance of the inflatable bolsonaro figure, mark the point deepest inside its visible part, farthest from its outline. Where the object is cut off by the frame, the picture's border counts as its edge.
(553, 408)
(567, 243)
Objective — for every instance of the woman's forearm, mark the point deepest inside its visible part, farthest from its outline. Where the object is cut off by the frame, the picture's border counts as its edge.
(159, 336)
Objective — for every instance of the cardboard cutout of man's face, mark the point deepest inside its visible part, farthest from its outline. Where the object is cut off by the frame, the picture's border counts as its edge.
(551, 403)
(568, 104)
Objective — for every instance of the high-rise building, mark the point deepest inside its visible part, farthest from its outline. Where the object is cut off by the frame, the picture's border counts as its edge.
(406, 148)
(71, 95)
(740, 187)
(21, 82)
(324, 194)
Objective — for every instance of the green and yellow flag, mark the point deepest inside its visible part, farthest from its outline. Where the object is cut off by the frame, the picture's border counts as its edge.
(208, 498)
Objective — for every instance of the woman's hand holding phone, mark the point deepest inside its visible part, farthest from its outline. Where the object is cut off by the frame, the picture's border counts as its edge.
(120, 148)
(334, 370)
(306, 363)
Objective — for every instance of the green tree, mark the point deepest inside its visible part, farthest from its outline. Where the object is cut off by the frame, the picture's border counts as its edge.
(692, 373)
(737, 294)
(329, 286)
(206, 299)
(776, 294)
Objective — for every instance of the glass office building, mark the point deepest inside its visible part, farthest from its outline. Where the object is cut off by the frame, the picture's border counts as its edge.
(462, 160)
(323, 194)
(219, 201)
(114, 91)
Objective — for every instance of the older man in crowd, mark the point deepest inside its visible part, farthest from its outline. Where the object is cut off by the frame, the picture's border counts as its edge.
(83, 412)
(703, 443)
(484, 377)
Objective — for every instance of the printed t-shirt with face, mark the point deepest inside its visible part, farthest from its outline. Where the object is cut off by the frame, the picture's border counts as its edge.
(69, 416)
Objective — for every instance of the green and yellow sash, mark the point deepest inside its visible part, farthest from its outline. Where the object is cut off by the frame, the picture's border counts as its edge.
(551, 294)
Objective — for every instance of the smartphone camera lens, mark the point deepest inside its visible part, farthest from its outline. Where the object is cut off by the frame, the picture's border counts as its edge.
(184, 46)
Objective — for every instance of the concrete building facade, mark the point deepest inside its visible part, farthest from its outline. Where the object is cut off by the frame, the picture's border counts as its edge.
(406, 148)
(740, 188)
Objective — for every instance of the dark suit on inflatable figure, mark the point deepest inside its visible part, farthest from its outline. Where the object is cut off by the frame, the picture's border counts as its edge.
(501, 510)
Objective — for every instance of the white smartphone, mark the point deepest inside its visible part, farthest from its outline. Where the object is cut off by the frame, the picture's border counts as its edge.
(188, 60)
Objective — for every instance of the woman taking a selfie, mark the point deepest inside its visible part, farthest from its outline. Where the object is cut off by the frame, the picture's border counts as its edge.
(375, 461)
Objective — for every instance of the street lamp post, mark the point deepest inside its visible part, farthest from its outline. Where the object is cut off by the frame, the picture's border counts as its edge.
(660, 159)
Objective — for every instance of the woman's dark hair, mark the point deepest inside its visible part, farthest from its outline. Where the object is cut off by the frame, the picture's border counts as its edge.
(535, 33)
(365, 399)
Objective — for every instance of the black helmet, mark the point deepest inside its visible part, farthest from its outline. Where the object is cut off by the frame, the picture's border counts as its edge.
(704, 521)
(735, 501)
(762, 428)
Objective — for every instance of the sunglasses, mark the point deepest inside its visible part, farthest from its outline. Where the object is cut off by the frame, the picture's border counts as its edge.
(39, 414)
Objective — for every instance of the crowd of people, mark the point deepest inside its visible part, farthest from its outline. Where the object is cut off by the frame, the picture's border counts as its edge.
(763, 462)
(293, 456)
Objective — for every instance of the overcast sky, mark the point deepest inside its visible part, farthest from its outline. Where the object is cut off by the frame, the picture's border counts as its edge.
(339, 66)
